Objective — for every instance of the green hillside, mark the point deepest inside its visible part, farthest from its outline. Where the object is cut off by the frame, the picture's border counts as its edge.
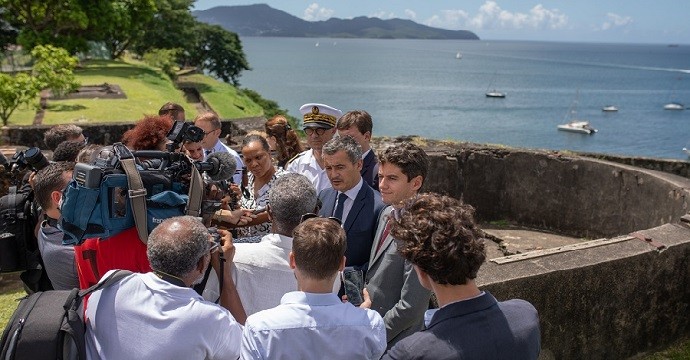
(146, 89)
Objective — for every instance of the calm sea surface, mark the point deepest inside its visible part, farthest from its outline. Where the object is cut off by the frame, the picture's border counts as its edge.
(418, 87)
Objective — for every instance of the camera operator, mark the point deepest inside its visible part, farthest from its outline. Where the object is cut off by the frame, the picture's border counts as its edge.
(211, 126)
(177, 322)
(57, 258)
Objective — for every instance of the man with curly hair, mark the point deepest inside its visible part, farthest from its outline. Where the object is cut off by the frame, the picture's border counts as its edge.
(439, 236)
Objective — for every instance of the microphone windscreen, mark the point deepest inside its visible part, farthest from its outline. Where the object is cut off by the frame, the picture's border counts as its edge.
(225, 168)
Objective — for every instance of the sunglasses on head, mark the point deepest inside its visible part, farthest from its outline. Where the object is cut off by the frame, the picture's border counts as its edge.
(308, 216)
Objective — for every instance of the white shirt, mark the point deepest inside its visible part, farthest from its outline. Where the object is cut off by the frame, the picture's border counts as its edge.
(351, 196)
(145, 317)
(220, 147)
(314, 326)
(261, 272)
(306, 164)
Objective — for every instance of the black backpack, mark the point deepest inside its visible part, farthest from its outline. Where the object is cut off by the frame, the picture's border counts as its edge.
(49, 325)
(18, 245)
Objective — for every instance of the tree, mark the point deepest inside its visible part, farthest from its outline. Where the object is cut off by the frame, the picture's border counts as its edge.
(53, 68)
(62, 23)
(126, 23)
(172, 27)
(15, 91)
(218, 51)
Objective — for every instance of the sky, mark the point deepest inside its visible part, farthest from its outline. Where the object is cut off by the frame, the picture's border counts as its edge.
(621, 21)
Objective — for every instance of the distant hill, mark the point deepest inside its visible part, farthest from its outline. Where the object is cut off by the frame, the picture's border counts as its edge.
(263, 20)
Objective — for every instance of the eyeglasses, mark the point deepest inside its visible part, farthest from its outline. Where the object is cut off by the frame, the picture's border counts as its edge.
(86, 140)
(311, 131)
(308, 216)
(208, 132)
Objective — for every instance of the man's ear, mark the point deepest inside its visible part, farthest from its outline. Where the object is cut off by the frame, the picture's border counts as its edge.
(423, 277)
(55, 197)
(417, 182)
(291, 257)
(270, 213)
(342, 264)
(360, 164)
(367, 135)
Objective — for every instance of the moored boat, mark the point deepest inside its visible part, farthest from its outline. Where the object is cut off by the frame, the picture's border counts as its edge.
(609, 108)
(576, 126)
(674, 106)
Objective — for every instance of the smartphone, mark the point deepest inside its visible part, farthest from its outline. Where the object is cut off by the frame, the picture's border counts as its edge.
(353, 283)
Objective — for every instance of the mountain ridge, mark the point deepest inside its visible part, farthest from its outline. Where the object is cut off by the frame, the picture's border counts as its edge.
(263, 20)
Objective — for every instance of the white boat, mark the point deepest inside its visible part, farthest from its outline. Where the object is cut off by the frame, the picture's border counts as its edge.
(574, 125)
(686, 151)
(577, 126)
(494, 93)
(610, 108)
(458, 56)
(674, 106)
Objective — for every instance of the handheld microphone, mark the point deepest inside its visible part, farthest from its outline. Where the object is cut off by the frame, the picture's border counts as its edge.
(223, 166)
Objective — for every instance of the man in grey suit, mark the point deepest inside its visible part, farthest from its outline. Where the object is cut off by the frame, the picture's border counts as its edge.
(391, 281)
(439, 237)
(349, 198)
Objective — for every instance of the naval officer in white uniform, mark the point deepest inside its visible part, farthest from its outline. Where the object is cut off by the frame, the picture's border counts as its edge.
(319, 126)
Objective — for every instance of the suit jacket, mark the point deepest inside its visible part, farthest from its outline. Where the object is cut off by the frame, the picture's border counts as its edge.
(370, 170)
(360, 224)
(394, 287)
(479, 328)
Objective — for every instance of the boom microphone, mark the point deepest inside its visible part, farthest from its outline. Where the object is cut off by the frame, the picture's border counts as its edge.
(223, 166)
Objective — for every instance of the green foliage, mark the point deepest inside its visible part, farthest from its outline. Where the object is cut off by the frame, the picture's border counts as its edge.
(165, 59)
(15, 91)
(126, 23)
(54, 69)
(218, 51)
(172, 27)
(271, 108)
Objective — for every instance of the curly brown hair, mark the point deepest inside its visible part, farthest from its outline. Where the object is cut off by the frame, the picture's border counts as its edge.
(148, 133)
(286, 139)
(438, 234)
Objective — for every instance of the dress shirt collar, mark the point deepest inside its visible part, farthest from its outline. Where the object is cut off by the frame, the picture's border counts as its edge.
(364, 154)
(312, 299)
(352, 193)
(281, 241)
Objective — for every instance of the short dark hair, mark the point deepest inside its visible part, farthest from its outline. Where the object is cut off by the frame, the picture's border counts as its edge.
(410, 158)
(358, 118)
(344, 143)
(57, 134)
(50, 179)
(68, 150)
(438, 234)
(256, 138)
(172, 109)
(318, 246)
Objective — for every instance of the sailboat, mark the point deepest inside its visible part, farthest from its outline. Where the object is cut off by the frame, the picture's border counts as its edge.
(674, 105)
(494, 93)
(575, 125)
(458, 56)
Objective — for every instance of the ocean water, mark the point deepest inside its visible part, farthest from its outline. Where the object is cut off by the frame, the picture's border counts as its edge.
(418, 87)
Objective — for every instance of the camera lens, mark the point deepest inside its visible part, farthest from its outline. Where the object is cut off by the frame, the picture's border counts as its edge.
(34, 157)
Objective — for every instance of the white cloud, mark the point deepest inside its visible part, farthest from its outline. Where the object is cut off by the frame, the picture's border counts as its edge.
(490, 16)
(410, 14)
(316, 13)
(383, 15)
(615, 21)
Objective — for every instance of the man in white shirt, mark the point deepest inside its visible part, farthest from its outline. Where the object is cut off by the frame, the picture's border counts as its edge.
(358, 125)
(314, 323)
(157, 315)
(210, 124)
(319, 126)
(263, 274)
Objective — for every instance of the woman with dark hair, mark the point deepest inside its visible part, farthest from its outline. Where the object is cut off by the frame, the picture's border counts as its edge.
(282, 139)
(149, 133)
(262, 175)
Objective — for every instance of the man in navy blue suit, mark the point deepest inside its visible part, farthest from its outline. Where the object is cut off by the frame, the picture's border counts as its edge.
(349, 198)
(439, 237)
(358, 125)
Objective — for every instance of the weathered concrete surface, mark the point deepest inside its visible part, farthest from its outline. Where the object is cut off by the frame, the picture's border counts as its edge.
(608, 302)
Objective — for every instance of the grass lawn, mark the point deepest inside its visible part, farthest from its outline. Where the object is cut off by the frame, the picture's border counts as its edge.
(10, 292)
(224, 98)
(146, 88)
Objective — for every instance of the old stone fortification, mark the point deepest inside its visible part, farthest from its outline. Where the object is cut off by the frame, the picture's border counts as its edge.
(611, 296)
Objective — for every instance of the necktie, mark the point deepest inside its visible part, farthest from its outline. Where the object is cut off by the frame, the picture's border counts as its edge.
(384, 234)
(338, 213)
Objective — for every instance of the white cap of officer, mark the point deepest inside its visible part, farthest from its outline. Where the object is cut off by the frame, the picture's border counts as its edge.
(319, 115)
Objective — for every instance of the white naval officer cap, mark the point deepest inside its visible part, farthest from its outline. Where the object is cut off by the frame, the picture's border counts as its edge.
(319, 115)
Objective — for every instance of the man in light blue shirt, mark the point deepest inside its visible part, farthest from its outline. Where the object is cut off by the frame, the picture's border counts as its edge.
(313, 323)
